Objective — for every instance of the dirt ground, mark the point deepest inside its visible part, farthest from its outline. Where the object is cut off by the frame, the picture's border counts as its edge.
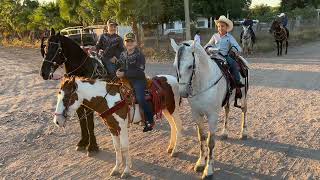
(283, 127)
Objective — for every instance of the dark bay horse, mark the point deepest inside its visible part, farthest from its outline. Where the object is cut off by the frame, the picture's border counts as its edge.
(62, 50)
(281, 35)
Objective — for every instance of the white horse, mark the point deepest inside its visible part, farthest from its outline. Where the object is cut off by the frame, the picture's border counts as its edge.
(101, 97)
(247, 43)
(202, 82)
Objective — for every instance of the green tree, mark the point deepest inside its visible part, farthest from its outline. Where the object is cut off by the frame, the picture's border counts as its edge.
(45, 17)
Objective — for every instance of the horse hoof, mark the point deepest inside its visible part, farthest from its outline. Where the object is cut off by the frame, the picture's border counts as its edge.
(199, 168)
(80, 148)
(207, 177)
(224, 136)
(91, 153)
(125, 175)
(169, 150)
(244, 137)
(174, 154)
(114, 173)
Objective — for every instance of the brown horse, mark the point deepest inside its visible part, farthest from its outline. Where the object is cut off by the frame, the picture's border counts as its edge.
(281, 34)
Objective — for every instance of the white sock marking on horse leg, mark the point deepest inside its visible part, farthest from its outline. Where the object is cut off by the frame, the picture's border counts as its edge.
(124, 145)
(116, 144)
(243, 119)
(227, 110)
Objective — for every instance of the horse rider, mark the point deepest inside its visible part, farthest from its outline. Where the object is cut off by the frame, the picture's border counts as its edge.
(131, 65)
(248, 22)
(110, 46)
(223, 40)
(283, 19)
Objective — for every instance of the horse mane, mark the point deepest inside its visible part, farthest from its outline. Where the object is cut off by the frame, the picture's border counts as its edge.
(70, 42)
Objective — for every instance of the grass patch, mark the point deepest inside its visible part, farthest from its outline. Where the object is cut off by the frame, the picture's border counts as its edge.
(23, 43)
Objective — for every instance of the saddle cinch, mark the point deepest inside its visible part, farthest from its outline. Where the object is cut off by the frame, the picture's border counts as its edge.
(231, 83)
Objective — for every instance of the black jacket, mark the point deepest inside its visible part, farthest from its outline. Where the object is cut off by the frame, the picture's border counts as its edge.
(133, 65)
(112, 45)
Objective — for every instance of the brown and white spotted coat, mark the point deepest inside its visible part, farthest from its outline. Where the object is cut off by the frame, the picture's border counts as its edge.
(99, 96)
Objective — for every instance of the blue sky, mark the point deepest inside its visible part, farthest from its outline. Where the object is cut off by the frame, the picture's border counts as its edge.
(254, 2)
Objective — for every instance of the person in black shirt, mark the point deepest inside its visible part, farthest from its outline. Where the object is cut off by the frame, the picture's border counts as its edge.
(110, 46)
(131, 66)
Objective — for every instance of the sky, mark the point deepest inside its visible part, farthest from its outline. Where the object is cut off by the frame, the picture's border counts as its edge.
(272, 3)
(254, 2)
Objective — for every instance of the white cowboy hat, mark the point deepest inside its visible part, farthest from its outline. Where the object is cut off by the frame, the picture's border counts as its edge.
(225, 20)
(282, 14)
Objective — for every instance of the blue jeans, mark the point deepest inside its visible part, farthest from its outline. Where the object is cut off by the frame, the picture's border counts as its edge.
(233, 67)
(111, 68)
(139, 88)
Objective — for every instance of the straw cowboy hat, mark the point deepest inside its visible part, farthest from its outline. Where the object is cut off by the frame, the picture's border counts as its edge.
(282, 14)
(225, 20)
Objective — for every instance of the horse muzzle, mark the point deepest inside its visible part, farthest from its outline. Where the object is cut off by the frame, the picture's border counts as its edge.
(184, 90)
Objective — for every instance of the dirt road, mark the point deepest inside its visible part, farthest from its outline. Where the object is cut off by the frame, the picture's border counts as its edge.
(283, 127)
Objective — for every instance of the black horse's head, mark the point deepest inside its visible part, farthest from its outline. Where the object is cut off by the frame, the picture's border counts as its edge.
(275, 26)
(52, 54)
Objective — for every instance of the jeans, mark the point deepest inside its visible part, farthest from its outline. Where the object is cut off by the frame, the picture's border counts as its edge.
(233, 67)
(139, 88)
(111, 68)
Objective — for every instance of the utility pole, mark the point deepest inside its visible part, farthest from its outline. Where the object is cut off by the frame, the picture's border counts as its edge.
(187, 19)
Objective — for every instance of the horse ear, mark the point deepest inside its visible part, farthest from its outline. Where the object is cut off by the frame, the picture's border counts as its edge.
(53, 32)
(174, 45)
(193, 46)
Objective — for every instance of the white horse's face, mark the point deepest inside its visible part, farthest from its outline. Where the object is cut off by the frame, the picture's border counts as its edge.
(67, 103)
(246, 32)
(185, 66)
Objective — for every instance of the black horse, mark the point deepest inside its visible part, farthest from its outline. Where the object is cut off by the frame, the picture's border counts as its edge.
(62, 50)
(281, 34)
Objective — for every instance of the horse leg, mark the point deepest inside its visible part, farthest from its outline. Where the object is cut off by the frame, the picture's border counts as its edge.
(287, 46)
(225, 131)
(124, 147)
(278, 48)
(176, 128)
(84, 141)
(93, 147)
(116, 144)
(281, 48)
(200, 165)
(244, 108)
(208, 171)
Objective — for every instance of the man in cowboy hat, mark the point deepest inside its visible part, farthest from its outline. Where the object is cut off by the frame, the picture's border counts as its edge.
(283, 19)
(224, 41)
(110, 46)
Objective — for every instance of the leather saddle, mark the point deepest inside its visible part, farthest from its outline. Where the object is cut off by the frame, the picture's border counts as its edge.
(231, 83)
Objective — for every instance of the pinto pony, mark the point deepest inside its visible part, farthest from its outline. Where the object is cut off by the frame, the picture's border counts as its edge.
(104, 97)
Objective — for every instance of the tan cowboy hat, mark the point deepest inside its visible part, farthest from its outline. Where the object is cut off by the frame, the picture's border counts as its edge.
(225, 20)
(282, 14)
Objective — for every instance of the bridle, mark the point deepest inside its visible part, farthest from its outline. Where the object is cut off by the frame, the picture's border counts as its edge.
(189, 83)
(59, 51)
